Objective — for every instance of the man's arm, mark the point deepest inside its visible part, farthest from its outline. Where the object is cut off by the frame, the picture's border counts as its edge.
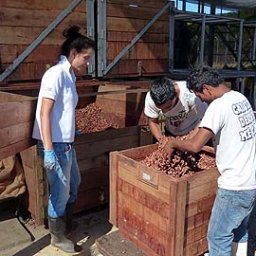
(194, 144)
(155, 128)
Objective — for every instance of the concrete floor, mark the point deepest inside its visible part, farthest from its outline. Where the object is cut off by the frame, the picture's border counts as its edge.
(94, 233)
(15, 241)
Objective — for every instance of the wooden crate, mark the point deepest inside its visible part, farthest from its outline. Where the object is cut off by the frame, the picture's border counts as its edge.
(162, 215)
(16, 123)
(127, 106)
(93, 159)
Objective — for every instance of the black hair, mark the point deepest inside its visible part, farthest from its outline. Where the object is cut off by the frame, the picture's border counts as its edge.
(161, 90)
(75, 40)
(205, 75)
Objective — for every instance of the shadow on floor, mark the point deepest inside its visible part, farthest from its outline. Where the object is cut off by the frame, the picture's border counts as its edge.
(35, 247)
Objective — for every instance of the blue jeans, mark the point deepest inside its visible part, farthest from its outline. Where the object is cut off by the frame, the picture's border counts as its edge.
(229, 219)
(64, 179)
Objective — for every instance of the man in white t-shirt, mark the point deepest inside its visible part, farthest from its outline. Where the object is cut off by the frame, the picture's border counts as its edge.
(181, 109)
(230, 121)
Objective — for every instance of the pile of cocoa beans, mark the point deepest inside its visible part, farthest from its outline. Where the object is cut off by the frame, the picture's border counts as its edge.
(93, 119)
(181, 163)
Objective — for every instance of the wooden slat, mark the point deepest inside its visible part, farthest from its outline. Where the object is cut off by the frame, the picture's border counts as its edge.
(145, 3)
(46, 53)
(12, 149)
(132, 68)
(91, 198)
(39, 18)
(40, 5)
(135, 25)
(120, 36)
(113, 179)
(36, 184)
(126, 11)
(94, 178)
(15, 114)
(139, 51)
(18, 34)
(181, 200)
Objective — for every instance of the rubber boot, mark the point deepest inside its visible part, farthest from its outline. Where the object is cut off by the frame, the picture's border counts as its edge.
(70, 224)
(57, 227)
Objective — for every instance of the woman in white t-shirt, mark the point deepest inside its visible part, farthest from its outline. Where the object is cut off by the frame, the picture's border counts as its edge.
(181, 108)
(54, 128)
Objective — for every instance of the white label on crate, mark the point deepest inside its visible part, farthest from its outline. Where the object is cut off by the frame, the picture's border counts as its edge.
(146, 176)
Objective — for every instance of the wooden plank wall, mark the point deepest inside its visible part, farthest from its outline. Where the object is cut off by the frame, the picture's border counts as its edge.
(21, 22)
(150, 55)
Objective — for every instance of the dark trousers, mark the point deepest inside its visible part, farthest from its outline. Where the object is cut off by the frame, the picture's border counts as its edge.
(252, 233)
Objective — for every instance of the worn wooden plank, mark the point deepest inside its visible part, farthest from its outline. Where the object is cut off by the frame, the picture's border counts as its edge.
(12, 149)
(94, 178)
(125, 36)
(40, 5)
(39, 18)
(17, 113)
(36, 184)
(18, 34)
(113, 178)
(92, 198)
(127, 11)
(41, 53)
(179, 217)
(145, 3)
(142, 67)
(15, 133)
(139, 51)
(135, 25)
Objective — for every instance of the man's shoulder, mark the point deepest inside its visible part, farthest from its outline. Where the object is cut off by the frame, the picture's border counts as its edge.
(181, 83)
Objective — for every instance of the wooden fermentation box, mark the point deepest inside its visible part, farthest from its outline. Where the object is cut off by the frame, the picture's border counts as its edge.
(16, 123)
(93, 159)
(162, 215)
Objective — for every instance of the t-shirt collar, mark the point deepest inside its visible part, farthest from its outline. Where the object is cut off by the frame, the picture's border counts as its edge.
(67, 66)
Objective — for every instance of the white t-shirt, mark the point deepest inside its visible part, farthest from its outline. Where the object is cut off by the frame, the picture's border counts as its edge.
(232, 121)
(184, 117)
(58, 84)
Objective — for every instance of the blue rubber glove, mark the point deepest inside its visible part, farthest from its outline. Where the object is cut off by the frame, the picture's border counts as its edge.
(49, 159)
(78, 132)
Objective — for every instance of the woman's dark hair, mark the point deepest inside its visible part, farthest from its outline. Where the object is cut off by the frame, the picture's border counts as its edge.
(75, 40)
(205, 75)
(161, 90)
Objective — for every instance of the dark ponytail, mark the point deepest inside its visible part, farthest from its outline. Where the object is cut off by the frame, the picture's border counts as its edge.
(75, 40)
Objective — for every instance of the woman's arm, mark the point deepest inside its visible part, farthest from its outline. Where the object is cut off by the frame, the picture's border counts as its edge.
(45, 116)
